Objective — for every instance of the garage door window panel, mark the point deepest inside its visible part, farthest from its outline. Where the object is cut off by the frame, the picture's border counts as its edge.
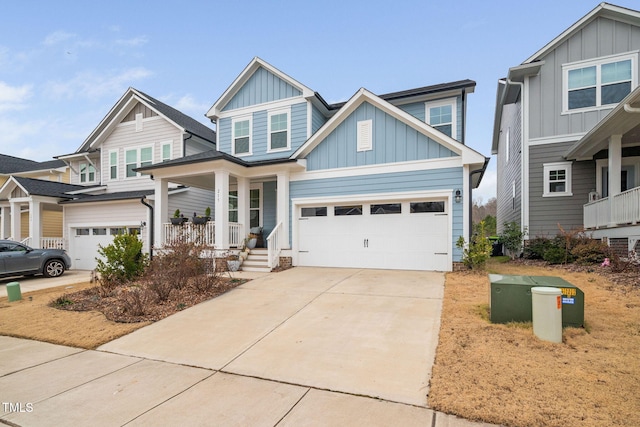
(347, 210)
(99, 231)
(314, 211)
(82, 231)
(427, 207)
(386, 209)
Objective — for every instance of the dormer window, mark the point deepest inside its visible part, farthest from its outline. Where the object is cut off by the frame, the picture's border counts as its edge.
(441, 115)
(593, 84)
(279, 131)
(87, 173)
(242, 136)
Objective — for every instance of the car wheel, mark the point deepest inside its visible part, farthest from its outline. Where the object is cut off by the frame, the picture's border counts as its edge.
(53, 268)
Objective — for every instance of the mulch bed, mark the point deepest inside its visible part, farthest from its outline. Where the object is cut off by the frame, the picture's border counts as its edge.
(125, 302)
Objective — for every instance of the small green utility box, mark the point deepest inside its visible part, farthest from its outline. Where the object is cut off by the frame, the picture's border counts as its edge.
(510, 298)
(13, 291)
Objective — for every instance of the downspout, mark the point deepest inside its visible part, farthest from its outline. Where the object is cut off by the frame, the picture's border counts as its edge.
(151, 228)
(629, 109)
(184, 143)
(464, 115)
(481, 171)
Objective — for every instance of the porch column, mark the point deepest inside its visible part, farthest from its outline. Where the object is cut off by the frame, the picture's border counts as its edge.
(15, 222)
(222, 210)
(615, 172)
(160, 211)
(282, 214)
(5, 222)
(35, 223)
(244, 214)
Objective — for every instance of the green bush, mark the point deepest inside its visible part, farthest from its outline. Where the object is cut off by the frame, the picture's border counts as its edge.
(590, 251)
(536, 247)
(511, 237)
(554, 255)
(478, 251)
(122, 261)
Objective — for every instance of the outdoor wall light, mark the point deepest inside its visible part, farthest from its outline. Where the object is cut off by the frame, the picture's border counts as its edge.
(458, 197)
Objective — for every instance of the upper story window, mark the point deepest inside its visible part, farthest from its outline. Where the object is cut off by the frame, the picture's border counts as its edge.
(593, 84)
(113, 164)
(137, 157)
(279, 135)
(241, 136)
(557, 179)
(441, 115)
(87, 173)
(166, 149)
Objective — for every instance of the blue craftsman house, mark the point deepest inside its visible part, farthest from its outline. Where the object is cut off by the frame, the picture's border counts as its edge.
(379, 181)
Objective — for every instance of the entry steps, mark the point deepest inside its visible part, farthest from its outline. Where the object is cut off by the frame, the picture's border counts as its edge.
(256, 261)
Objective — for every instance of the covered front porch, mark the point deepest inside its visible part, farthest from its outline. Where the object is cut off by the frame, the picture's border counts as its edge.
(243, 199)
(613, 208)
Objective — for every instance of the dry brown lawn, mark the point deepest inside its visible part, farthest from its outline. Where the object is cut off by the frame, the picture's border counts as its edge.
(503, 374)
(32, 318)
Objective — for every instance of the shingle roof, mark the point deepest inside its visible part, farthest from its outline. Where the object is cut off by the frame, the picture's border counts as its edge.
(41, 187)
(106, 197)
(10, 164)
(189, 124)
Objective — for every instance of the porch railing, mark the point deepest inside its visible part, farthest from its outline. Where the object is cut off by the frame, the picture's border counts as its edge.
(274, 245)
(202, 234)
(52, 243)
(626, 210)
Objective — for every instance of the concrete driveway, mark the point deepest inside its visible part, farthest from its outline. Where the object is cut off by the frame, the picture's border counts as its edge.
(307, 346)
(33, 283)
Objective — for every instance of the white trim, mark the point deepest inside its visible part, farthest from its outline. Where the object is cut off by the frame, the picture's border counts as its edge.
(138, 120)
(557, 166)
(248, 118)
(414, 165)
(572, 137)
(272, 105)
(524, 177)
(507, 145)
(162, 144)
(598, 63)
(138, 149)
(453, 102)
(270, 114)
(364, 135)
(88, 165)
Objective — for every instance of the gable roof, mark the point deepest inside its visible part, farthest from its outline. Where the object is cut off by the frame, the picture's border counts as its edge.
(469, 156)
(124, 105)
(11, 164)
(41, 187)
(246, 74)
(605, 10)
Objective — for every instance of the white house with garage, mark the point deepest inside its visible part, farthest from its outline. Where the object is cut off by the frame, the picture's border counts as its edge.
(379, 181)
(106, 196)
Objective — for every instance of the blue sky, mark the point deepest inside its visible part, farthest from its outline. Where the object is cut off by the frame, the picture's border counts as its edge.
(64, 64)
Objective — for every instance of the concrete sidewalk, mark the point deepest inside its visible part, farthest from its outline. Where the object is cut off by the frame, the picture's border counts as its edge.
(305, 346)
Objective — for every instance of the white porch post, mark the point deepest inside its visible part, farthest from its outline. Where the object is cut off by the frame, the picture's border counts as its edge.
(5, 222)
(244, 214)
(160, 210)
(15, 222)
(222, 210)
(35, 223)
(283, 206)
(615, 172)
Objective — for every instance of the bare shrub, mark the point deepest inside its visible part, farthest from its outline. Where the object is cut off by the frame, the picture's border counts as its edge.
(135, 300)
(175, 268)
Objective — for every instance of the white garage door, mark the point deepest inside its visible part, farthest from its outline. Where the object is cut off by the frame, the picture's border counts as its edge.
(85, 241)
(387, 235)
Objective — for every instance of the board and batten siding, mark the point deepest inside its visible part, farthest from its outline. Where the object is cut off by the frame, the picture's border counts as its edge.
(398, 182)
(260, 134)
(263, 86)
(509, 208)
(124, 137)
(602, 37)
(393, 141)
(545, 213)
(317, 119)
(419, 111)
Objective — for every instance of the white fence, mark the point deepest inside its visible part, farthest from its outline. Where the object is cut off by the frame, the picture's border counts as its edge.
(626, 210)
(202, 234)
(274, 245)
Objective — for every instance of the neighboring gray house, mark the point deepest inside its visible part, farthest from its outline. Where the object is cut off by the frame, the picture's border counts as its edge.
(566, 119)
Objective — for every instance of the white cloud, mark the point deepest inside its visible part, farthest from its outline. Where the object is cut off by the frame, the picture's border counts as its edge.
(14, 97)
(133, 42)
(57, 37)
(189, 103)
(91, 85)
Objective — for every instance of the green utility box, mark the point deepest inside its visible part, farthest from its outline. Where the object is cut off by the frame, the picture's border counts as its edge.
(510, 298)
(13, 291)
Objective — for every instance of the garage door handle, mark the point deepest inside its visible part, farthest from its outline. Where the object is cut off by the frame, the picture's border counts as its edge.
(366, 243)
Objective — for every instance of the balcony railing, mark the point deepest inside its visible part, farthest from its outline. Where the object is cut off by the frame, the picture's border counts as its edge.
(202, 234)
(274, 246)
(626, 210)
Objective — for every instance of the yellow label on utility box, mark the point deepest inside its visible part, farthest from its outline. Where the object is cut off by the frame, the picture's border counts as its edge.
(570, 292)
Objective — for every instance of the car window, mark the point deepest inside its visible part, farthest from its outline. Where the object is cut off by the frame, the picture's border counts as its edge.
(12, 247)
